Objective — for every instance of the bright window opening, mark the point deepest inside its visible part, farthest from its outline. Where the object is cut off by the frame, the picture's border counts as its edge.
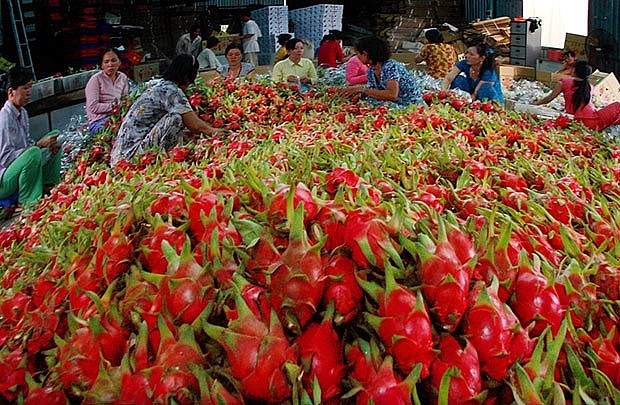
(558, 17)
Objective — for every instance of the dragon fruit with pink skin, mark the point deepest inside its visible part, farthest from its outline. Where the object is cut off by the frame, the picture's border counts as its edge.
(257, 350)
(402, 323)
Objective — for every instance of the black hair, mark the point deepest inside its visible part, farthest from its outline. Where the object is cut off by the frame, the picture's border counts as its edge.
(15, 77)
(581, 96)
(246, 13)
(282, 38)
(233, 45)
(569, 53)
(434, 36)
(182, 70)
(212, 41)
(376, 48)
(194, 27)
(489, 57)
(103, 51)
(291, 43)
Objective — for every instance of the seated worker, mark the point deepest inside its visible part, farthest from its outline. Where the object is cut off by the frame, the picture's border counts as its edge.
(190, 43)
(480, 76)
(281, 53)
(330, 51)
(207, 58)
(157, 118)
(439, 57)
(355, 72)
(235, 68)
(295, 70)
(25, 165)
(103, 89)
(389, 82)
(577, 92)
(569, 58)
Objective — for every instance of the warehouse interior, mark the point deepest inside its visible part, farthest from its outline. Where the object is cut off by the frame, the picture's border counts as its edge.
(65, 35)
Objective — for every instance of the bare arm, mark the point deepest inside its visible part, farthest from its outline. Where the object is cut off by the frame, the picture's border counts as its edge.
(447, 81)
(554, 93)
(389, 94)
(196, 125)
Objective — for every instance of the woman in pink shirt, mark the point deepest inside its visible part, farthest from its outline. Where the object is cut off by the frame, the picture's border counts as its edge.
(577, 92)
(356, 71)
(104, 89)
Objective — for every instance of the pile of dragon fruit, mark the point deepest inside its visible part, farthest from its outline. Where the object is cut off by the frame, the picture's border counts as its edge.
(326, 251)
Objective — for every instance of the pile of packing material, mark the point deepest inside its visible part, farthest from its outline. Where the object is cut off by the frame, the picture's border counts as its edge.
(314, 22)
(494, 32)
(272, 21)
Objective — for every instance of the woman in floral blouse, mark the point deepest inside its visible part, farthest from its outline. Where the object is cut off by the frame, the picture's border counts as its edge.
(439, 57)
(157, 118)
(389, 82)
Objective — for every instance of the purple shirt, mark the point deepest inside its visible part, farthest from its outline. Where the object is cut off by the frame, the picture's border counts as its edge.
(101, 92)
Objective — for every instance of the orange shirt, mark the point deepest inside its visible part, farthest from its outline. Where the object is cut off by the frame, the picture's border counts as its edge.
(440, 58)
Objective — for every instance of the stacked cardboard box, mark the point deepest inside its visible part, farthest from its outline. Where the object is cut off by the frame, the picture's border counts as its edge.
(606, 87)
(313, 23)
(272, 21)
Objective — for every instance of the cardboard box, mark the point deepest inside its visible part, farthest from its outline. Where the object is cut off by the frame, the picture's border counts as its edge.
(145, 71)
(606, 87)
(515, 72)
(577, 44)
(224, 41)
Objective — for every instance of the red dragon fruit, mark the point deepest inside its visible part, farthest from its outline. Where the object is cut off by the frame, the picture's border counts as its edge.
(445, 274)
(277, 212)
(321, 353)
(369, 237)
(151, 253)
(403, 323)
(257, 350)
(298, 280)
(374, 378)
(466, 383)
(535, 300)
(495, 332)
(342, 288)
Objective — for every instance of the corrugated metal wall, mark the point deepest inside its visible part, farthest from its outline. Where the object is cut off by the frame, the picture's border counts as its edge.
(605, 15)
(482, 9)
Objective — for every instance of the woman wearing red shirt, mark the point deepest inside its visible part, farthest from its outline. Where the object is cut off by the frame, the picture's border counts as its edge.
(330, 52)
(577, 92)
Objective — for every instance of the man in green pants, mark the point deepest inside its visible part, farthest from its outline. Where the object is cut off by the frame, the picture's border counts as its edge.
(25, 165)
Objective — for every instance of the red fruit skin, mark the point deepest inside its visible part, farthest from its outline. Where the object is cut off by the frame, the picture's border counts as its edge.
(469, 383)
(384, 387)
(114, 257)
(536, 301)
(302, 195)
(331, 219)
(446, 281)
(340, 176)
(45, 395)
(298, 282)
(172, 205)
(342, 288)
(495, 332)
(321, 348)
(12, 374)
(152, 255)
(367, 225)
(176, 385)
(405, 328)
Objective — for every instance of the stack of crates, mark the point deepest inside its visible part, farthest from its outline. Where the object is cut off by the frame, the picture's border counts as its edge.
(314, 22)
(272, 21)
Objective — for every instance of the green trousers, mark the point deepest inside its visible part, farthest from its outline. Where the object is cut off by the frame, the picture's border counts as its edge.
(27, 175)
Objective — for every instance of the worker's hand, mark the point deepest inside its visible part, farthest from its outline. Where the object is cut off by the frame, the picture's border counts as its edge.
(350, 90)
(49, 141)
